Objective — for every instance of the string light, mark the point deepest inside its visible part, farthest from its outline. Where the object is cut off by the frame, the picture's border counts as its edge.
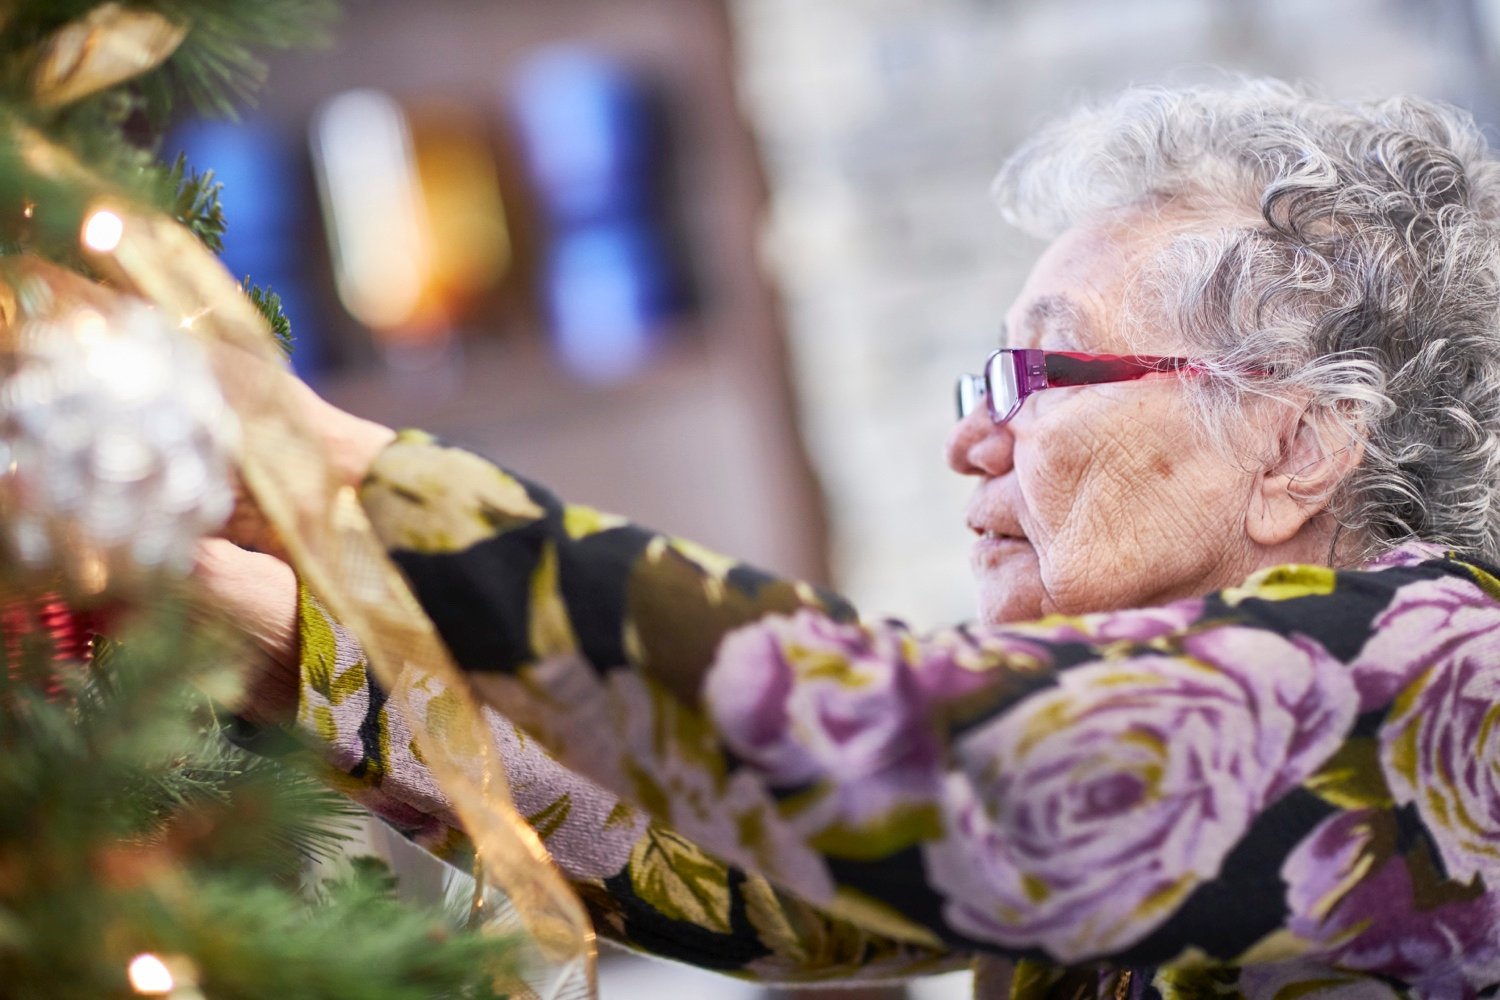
(149, 976)
(102, 230)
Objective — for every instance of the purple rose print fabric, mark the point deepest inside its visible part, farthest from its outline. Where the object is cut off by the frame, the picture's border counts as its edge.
(835, 712)
(1080, 820)
(1371, 909)
(1287, 789)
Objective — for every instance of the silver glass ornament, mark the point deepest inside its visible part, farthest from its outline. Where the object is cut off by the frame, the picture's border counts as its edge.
(116, 447)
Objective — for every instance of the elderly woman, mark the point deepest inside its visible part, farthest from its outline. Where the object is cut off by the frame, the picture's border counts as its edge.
(1228, 723)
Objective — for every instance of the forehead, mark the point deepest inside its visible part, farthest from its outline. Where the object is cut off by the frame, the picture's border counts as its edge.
(1075, 296)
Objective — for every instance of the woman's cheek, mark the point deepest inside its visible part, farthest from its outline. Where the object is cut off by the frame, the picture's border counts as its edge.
(1059, 481)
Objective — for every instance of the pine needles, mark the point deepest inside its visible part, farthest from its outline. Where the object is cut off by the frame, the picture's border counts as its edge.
(129, 824)
(115, 133)
(269, 304)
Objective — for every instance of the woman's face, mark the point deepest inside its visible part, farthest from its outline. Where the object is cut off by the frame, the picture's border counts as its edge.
(1098, 497)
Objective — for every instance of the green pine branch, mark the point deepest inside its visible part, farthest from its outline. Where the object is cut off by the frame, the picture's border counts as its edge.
(385, 951)
(269, 304)
(192, 198)
(217, 68)
(128, 825)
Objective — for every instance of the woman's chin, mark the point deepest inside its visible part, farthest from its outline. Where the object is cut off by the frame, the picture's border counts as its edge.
(1010, 589)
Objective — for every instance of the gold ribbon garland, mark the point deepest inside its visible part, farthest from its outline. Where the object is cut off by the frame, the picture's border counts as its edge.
(324, 530)
(333, 547)
(109, 45)
(331, 543)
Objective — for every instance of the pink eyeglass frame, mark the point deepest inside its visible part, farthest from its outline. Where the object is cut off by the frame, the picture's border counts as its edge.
(1035, 370)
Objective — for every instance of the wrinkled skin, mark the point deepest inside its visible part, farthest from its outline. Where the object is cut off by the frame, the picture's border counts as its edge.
(1101, 497)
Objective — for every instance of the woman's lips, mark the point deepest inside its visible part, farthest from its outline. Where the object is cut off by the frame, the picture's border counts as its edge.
(992, 534)
(993, 545)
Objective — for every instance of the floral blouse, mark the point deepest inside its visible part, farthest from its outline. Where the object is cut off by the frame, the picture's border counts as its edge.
(1287, 788)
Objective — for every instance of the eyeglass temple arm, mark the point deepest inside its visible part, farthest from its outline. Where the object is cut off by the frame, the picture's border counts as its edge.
(1070, 368)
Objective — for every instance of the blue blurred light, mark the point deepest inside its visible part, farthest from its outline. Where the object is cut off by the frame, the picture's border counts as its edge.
(264, 202)
(608, 292)
(585, 124)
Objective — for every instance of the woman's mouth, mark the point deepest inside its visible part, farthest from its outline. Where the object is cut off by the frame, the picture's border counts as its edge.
(992, 544)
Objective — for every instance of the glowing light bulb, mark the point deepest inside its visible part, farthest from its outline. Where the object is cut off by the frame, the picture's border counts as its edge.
(102, 230)
(150, 976)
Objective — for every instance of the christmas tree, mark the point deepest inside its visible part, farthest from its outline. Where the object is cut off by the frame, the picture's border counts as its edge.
(142, 852)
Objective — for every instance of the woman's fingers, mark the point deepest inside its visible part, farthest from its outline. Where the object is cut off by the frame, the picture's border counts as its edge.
(248, 528)
(246, 584)
(256, 594)
(348, 443)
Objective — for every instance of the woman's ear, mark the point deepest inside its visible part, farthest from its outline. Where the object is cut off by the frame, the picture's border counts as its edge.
(1312, 456)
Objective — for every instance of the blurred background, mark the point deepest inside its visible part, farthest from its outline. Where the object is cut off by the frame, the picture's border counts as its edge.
(715, 263)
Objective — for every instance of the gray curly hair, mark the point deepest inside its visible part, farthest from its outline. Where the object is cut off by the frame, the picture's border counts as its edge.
(1354, 255)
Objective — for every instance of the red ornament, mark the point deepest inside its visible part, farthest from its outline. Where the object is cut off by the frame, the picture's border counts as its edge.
(70, 631)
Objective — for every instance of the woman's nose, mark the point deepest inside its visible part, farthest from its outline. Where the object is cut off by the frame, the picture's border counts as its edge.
(977, 446)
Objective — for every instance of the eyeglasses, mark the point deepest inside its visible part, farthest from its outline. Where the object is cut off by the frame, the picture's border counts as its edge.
(1012, 374)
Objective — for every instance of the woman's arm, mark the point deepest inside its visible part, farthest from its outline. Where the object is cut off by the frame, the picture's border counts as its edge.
(645, 887)
(1243, 775)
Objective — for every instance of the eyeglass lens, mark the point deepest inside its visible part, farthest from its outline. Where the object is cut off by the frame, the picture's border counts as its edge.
(1000, 384)
(998, 381)
(970, 392)
(1005, 393)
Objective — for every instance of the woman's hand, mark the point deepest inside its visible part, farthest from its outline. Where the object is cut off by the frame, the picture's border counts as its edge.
(256, 594)
(254, 591)
(255, 384)
(351, 443)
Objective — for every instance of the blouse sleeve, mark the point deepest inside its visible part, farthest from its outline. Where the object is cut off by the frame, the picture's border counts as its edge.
(646, 888)
(1290, 768)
